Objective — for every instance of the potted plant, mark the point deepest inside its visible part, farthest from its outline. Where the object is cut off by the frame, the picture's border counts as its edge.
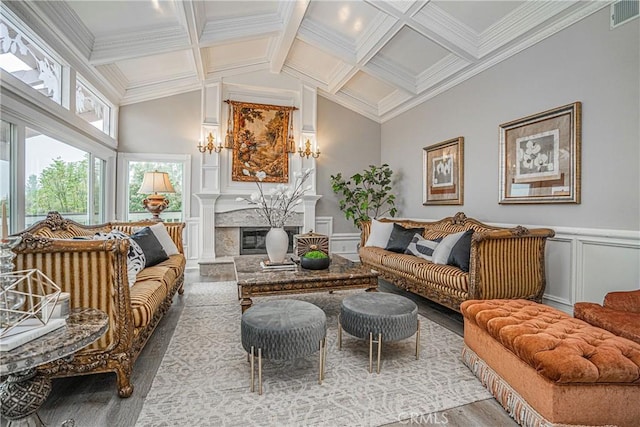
(366, 195)
(315, 260)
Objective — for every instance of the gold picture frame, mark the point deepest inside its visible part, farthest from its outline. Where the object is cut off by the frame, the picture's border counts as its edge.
(443, 173)
(540, 157)
(260, 138)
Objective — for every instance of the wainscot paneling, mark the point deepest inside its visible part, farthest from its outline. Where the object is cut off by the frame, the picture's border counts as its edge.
(191, 238)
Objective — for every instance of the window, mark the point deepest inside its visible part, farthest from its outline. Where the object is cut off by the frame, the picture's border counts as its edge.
(91, 108)
(135, 165)
(58, 178)
(28, 62)
(6, 182)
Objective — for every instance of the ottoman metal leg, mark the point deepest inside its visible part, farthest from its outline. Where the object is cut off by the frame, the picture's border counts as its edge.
(251, 359)
(321, 362)
(418, 341)
(339, 334)
(379, 350)
(259, 371)
(370, 351)
(379, 342)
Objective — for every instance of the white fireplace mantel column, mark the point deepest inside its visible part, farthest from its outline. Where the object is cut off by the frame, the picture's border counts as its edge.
(207, 247)
(309, 204)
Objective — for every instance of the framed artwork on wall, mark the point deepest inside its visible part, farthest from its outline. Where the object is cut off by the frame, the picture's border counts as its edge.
(260, 138)
(443, 173)
(540, 157)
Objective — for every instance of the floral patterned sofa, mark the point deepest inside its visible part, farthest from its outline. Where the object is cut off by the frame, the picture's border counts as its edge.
(95, 274)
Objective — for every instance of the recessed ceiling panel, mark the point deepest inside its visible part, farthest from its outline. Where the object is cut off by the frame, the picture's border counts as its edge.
(106, 18)
(412, 51)
(347, 18)
(157, 67)
(222, 56)
(368, 88)
(232, 9)
(311, 61)
(478, 15)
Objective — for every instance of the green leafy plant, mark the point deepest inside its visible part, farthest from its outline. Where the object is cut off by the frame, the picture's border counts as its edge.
(315, 255)
(366, 195)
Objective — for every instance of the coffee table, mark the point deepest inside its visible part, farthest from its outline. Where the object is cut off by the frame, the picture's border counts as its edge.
(342, 274)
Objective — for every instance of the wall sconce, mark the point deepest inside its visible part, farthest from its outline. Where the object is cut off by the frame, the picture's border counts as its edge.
(307, 150)
(156, 182)
(210, 146)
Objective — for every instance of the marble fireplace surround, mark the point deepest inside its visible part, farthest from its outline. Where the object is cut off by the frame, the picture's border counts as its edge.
(228, 224)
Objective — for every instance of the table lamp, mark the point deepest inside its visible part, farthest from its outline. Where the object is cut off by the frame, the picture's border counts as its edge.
(156, 182)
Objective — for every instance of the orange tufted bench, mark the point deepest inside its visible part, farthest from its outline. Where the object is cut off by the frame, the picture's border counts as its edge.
(547, 368)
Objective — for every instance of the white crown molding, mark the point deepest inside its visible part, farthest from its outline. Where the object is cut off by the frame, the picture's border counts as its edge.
(586, 9)
(293, 14)
(440, 27)
(336, 45)
(365, 107)
(388, 71)
(446, 67)
(192, 15)
(140, 43)
(340, 76)
(240, 28)
(378, 33)
(353, 104)
(392, 100)
(305, 77)
(519, 22)
(238, 69)
(112, 73)
(161, 90)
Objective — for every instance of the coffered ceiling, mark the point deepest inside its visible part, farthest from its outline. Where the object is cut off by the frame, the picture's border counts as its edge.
(378, 58)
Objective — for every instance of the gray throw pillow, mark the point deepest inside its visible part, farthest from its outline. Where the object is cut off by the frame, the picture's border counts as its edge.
(150, 245)
(401, 237)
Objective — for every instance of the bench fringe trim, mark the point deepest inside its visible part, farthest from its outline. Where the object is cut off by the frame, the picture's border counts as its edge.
(511, 401)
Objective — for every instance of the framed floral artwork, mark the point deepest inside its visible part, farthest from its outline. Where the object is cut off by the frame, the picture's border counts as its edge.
(260, 138)
(540, 157)
(443, 173)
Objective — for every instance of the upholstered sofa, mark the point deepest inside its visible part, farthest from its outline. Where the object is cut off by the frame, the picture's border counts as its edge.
(547, 368)
(503, 262)
(619, 314)
(94, 272)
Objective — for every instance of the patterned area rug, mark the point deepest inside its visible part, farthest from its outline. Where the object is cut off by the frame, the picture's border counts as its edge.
(203, 379)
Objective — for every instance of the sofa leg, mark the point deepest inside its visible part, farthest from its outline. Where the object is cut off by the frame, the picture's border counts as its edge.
(123, 375)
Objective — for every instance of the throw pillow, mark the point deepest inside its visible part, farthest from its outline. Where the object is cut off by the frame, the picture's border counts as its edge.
(379, 234)
(443, 250)
(461, 252)
(401, 237)
(151, 247)
(161, 233)
(422, 247)
(135, 256)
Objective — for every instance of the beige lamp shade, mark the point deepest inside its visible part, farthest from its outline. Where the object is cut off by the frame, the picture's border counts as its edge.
(156, 182)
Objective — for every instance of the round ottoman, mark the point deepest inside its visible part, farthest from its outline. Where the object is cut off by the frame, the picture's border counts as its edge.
(283, 329)
(379, 317)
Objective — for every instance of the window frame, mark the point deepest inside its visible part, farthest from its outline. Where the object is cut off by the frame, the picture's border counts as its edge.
(124, 160)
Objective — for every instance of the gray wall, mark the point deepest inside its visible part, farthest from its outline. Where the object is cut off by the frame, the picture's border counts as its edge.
(349, 143)
(168, 125)
(585, 62)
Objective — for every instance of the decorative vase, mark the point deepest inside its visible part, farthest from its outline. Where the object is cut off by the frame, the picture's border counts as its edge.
(277, 243)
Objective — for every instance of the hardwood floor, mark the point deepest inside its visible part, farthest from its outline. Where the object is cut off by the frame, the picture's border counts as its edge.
(92, 401)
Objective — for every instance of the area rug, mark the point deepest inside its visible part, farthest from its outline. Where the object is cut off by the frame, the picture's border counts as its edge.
(203, 379)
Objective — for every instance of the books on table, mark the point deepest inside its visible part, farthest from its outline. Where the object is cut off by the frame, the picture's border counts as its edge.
(22, 334)
(286, 265)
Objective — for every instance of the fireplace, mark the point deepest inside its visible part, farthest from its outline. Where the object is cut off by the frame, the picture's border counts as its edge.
(252, 239)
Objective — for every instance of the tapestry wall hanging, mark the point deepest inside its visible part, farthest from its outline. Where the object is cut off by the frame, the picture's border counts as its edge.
(260, 138)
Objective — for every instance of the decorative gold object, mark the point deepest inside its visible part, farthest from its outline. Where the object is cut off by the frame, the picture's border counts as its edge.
(210, 146)
(156, 182)
(310, 241)
(307, 151)
(228, 140)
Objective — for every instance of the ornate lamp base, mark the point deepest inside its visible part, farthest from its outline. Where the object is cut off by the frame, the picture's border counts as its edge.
(155, 204)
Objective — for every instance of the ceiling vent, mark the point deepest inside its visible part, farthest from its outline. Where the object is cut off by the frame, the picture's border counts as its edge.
(624, 11)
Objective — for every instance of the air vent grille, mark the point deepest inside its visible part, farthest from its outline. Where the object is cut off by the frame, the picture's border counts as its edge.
(623, 11)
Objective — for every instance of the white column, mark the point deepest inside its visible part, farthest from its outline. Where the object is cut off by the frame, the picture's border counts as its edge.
(207, 248)
(309, 204)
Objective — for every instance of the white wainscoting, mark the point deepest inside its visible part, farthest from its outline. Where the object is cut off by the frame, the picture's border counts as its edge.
(582, 264)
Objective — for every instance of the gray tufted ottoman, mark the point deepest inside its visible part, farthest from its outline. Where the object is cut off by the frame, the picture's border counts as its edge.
(381, 316)
(283, 329)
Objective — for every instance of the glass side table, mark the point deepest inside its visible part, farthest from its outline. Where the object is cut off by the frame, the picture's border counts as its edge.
(25, 389)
